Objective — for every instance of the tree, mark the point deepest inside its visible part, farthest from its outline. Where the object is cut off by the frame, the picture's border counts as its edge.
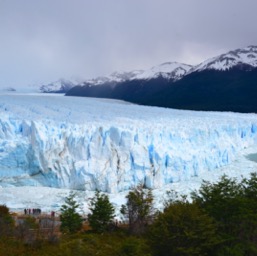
(138, 209)
(71, 221)
(102, 212)
(6, 221)
(183, 229)
(233, 205)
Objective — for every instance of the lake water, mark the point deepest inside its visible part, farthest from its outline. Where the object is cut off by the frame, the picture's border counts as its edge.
(252, 157)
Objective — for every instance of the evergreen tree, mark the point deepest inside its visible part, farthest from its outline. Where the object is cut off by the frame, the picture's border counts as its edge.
(71, 221)
(102, 212)
(138, 209)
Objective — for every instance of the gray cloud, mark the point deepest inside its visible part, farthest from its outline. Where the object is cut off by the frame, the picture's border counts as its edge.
(42, 41)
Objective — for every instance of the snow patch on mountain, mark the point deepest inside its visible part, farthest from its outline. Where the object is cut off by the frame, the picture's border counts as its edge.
(246, 56)
(61, 85)
(115, 77)
(168, 70)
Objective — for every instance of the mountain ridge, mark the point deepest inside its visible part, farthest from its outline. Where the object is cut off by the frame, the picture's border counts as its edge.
(227, 82)
(158, 77)
(247, 55)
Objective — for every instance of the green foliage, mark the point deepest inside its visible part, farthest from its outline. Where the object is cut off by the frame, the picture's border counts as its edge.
(6, 221)
(138, 209)
(234, 207)
(71, 221)
(132, 246)
(173, 197)
(220, 220)
(4, 211)
(102, 212)
(225, 195)
(107, 244)
(183, 229)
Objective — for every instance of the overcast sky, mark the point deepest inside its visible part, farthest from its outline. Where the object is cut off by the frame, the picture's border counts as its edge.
(44, 40)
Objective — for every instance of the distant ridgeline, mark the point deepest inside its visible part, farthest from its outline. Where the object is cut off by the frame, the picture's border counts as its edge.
(225, 83)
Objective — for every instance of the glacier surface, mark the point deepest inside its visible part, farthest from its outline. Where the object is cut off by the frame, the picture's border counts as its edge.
(88, 144)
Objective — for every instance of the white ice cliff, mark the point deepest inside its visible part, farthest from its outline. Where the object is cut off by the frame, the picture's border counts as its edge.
(88, 144)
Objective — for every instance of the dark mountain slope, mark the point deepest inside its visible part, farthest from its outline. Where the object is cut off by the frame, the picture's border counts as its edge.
(212, 90)
(134, 90)
(227, 82)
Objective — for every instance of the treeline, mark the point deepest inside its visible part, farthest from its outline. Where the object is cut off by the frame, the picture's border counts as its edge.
(218, 219)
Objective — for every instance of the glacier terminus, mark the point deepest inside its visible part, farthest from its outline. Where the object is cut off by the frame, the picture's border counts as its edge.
(88, 144)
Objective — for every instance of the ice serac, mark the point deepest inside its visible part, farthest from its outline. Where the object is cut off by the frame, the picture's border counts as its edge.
(115, 157)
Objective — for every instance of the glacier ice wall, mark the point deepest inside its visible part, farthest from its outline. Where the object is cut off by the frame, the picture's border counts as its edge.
(113, 158)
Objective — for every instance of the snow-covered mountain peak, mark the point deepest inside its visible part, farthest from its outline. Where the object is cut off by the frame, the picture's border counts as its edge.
(252, 48)
(243, 56)
(57, 86)
(168, 70)
(123, 75)
(115, 77)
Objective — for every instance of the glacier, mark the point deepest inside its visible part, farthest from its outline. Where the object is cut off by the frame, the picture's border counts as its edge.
(87, 144)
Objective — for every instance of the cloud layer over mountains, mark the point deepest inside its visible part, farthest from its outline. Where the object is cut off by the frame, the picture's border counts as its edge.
(42, 41)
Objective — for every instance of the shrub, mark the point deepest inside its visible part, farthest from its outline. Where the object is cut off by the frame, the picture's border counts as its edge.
(6, 221)
(183, 229)
(138, 209)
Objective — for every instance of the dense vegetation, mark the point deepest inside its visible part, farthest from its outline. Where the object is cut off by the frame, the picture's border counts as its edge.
(210, 90)
(219, 219)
